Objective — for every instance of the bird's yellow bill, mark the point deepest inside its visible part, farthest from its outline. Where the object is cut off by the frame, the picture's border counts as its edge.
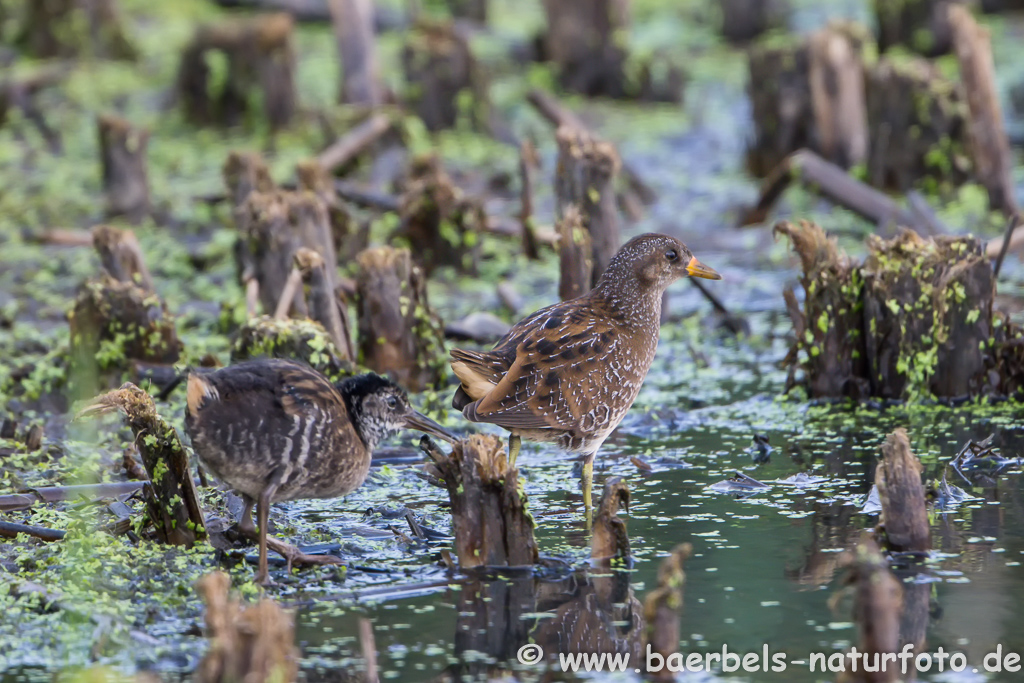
(697, 269)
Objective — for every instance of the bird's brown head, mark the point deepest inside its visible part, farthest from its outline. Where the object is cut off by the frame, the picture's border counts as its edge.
(378, 408)
(656, 261)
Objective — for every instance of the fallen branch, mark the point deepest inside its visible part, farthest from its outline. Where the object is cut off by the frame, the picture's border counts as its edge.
(11, 530)
(355, 142)
(837, 185)
(58, 494)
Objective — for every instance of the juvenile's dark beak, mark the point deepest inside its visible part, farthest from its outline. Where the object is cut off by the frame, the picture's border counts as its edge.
(697, 269)
(415, 420)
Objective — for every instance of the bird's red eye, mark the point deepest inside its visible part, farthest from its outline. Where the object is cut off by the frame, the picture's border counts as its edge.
(671, 254)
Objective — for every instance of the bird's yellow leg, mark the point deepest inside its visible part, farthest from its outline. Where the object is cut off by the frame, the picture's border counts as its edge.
(514, 442)
(588, 485)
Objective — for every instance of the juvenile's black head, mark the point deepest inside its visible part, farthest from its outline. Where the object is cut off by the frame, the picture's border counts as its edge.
(379, 408)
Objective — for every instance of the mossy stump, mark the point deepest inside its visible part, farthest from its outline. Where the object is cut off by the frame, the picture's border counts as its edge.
(918, 120)
(928, 316)
(809, 93)
(744, 20)
(399, 334)
(444, 80)
(584, 182)
(270, 243)
(303, 340)
(440, 224)
(67, 28)
(925, 323)
(113, 323)
(123, 161)
(244, 173)
(920, 25)
(490, 521)
(584, 40)
(829, 328)
(260, 56)
(172, 503)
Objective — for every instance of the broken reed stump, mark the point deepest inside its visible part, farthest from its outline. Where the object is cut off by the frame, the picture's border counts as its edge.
(443, 79)
(903, 525)
(924, 26)
(829, 328)
(345, 235)
(744, 20)
(575, 255)
(990, 146)
(246, 172)
(254, 643)
(609, 539)
(399, 334)
(303, 340)
(441, 225)
(113, 323)
(911, 95)
(121, 255)
(172, 503)
(67, 28)
(125, 176)
(809, 94)
(529, 161)
(357, 47)
(324, 306)
(662, 607)
(836, 76)
(490, 521)
(264, 222)
(598, 612)
(260, 57)
(584, 39)
(925, 318)
(877, 604)
(584, 178)
(19, 93)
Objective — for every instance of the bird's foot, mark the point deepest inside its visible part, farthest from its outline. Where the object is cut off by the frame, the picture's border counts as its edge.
(295, 557)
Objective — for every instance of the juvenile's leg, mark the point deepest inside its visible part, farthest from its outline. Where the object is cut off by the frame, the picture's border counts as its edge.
(263, 519)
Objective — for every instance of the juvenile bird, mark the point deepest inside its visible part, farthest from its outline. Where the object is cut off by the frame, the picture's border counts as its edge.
(276, 430)
(569, 372)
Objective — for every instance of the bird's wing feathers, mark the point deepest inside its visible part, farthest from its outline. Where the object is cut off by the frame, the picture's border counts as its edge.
(296, 387)
(549, 383)
(302, 390)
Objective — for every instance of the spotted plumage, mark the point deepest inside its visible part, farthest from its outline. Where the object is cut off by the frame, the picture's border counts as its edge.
(569, 372)
(276, 430)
